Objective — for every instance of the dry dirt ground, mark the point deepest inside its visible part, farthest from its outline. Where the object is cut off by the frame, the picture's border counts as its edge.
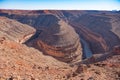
(19, 62)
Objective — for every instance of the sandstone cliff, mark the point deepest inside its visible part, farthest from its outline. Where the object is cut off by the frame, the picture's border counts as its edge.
(15, 31)
(58, 40)
(98, 23)
(49, 26)
(21, 62)
(104, 25)
(115, 24)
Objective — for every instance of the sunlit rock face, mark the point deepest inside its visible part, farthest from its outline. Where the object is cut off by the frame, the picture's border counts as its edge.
(60, 41)
(15, 31)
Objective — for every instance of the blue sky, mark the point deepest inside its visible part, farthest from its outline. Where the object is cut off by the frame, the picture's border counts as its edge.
(61, 4)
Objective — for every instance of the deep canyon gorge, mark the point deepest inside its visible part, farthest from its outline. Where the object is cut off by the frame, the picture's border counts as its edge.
(60, 42)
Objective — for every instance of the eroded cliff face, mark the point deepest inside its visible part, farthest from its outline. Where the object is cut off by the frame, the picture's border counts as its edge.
(115, 24)
(102, 27)
(53, 32)
(95, 41)
(99, 28)
(15, 31)
(59, 40)
(18, 61)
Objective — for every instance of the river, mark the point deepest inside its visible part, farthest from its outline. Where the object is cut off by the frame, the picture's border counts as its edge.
(86, 49)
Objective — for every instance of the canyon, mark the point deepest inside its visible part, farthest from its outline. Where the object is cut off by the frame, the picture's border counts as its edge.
(59, 45)
(84, 22)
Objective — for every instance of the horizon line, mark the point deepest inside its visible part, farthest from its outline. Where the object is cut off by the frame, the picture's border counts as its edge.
(64, 9)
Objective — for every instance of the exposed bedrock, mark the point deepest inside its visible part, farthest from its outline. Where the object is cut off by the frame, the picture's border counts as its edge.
(100, 29)
(15, 31)
(60, 41)
(54, 36)
(95, 41)
(103, 29)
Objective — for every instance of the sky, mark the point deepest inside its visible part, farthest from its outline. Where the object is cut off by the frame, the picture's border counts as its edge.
(61, 4)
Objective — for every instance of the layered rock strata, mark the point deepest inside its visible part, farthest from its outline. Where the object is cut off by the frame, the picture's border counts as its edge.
(102, 26)
(14, 30)
(60, 41)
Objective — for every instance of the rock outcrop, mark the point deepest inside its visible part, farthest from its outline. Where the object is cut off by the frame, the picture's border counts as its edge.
(19, 62)
(60, 41)
(105, 26)
(115, 24)
(15, 31)
(102, 26)
(94, 40)
(63, 41)
(55, 37)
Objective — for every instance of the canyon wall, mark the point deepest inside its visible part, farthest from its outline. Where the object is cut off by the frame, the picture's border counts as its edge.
(58, 39)
(95, 27)
(15, 31)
